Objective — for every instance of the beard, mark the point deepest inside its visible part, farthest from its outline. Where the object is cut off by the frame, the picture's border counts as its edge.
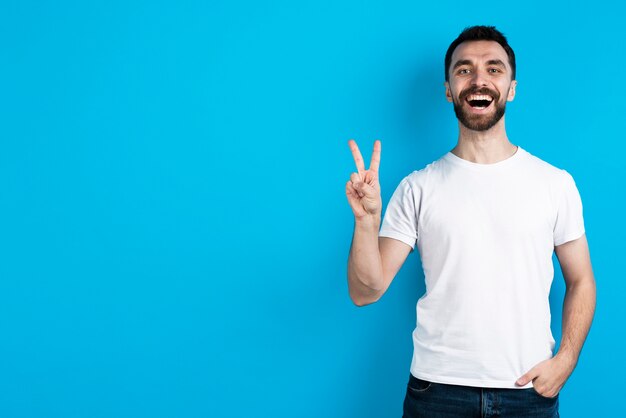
(479, 122)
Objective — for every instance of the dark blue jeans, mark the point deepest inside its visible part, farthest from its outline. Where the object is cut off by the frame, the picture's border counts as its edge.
(426, 399)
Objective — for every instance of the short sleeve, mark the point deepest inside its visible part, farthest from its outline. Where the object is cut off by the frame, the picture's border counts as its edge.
(569, 223)
(400, 220)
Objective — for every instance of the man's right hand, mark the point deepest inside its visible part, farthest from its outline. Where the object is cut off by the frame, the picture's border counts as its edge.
(363, 189)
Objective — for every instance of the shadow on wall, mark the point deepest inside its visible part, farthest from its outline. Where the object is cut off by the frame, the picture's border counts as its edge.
(428, 120)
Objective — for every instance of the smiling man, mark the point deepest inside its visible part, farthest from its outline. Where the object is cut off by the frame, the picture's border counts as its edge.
(486, 218)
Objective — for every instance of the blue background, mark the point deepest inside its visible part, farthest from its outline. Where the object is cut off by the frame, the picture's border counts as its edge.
(174, 230)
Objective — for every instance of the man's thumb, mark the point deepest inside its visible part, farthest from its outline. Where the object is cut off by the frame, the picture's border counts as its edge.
(364, 188)
(525, 379)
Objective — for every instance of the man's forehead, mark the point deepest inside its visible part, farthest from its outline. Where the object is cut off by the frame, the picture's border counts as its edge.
(479, 51)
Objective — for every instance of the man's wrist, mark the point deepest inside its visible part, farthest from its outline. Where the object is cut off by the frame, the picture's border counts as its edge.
(567, 356)
(369, 222)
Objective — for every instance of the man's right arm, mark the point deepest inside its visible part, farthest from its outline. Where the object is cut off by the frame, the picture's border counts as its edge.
(373, 262)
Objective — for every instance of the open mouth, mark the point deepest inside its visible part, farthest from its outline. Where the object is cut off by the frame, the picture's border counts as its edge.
(479, 101)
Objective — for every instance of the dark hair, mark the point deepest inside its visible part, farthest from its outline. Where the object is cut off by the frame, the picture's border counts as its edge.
(480, 33)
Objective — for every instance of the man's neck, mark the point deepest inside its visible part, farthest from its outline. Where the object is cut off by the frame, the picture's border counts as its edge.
(484, 147)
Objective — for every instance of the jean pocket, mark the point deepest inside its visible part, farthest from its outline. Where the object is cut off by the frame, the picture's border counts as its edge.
(541, 396)
(416, 385)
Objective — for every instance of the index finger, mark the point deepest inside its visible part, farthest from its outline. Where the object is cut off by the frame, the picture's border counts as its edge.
(358, 159)
(375, 162)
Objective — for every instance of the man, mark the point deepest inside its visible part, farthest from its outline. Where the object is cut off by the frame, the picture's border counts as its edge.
(486, 218)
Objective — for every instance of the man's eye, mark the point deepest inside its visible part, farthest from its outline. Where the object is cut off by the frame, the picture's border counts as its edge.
(494, 70)
(463, 71)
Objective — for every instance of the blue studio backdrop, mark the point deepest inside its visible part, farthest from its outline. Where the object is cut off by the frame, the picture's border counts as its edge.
(174, 230)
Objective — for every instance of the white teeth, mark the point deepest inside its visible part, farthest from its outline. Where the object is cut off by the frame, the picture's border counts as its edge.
(479, 97)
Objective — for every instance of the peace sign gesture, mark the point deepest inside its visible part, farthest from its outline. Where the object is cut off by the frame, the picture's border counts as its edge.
(363, 189)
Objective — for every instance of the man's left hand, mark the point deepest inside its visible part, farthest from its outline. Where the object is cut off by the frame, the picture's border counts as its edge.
(549, 376)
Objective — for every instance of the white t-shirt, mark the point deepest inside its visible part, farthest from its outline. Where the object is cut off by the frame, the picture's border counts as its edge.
(486, 234)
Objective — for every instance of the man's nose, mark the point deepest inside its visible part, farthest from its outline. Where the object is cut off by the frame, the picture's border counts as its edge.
(478, 79)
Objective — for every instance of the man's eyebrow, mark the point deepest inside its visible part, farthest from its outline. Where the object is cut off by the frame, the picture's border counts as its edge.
(497, 62)
(461, 62)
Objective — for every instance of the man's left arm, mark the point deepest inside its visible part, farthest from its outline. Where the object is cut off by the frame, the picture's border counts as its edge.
(550, 375)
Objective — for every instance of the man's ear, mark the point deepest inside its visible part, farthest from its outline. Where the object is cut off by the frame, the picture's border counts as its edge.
(511, 95)
(448, 92)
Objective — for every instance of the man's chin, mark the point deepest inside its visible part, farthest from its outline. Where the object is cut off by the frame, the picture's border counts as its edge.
(479, 122)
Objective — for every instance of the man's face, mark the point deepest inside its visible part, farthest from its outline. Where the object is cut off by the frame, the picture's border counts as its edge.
(480, 83)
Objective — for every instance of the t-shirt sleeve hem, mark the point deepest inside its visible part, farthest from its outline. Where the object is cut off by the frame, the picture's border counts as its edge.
(570, 237)
(407, 239)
